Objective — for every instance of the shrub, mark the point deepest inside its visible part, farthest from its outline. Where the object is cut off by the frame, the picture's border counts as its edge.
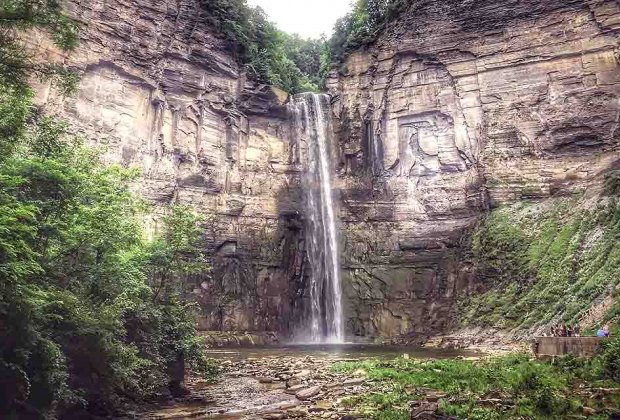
(610, 358)
(542, 264)
(511, 386)
(612, 184)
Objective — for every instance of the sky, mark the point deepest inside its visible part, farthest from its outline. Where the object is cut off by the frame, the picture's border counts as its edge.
(308, 18)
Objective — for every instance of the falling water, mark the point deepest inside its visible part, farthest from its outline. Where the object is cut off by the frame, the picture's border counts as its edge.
(324, 315)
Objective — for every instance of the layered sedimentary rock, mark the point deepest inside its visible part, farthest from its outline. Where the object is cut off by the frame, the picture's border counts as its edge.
(161, 92)
(460, 105)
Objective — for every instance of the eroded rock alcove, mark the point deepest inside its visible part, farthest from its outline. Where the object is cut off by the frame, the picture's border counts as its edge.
(458, 107)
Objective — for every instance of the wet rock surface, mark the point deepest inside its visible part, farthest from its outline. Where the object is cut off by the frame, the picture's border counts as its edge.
(458, 107)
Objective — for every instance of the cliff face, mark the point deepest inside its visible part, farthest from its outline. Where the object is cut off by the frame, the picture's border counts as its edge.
(161, 92)
(460, 105)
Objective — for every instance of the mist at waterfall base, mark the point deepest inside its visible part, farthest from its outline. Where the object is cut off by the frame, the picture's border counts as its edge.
(322, 321)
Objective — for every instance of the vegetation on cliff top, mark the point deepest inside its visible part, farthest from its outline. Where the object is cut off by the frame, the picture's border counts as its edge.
(272, 56)
(361, 27)
(506, 387)
(90, 310)
(287, 61)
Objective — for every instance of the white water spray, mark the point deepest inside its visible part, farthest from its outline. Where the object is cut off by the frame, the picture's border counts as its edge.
(324, 318)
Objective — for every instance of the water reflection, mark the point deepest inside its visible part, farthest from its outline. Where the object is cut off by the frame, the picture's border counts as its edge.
(338, 352)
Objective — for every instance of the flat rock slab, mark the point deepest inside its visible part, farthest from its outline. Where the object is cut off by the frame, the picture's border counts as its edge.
(171, 414)
(295, 389)
(308, 393)
(273, 416)
(303, 373)
(293, 382)
(296, 413)
(354, 381)
(435, 396)
(274, 385)
(289, 405)
(323, 404)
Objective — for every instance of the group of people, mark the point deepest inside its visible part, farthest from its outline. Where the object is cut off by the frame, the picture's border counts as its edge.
(575, 331)
(565, 331)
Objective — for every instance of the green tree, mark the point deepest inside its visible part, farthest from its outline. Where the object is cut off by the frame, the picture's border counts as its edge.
(176, 251)
(270, 55)
(80, 325)
(361, 27)
(16, 65)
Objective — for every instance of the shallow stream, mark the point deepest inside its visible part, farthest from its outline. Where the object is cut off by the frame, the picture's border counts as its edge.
(336, 352)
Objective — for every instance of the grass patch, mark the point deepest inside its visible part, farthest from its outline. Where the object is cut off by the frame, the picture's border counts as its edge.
(507, 387)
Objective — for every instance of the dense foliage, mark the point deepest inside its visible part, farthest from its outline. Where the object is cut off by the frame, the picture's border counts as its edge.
(361, 27)
(288, 61)
(499, 388)
(545, 262)
(16, 65)
(90, 310)
(271, 55)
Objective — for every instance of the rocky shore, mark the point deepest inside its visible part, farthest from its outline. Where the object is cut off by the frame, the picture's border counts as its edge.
(282, 386)
(286, 383)
(271, 388)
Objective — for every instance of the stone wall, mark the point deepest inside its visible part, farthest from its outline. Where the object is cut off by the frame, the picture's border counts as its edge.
(560, 346)
(459, 106)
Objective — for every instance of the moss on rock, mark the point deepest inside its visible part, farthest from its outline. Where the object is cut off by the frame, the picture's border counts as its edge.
(543, 262)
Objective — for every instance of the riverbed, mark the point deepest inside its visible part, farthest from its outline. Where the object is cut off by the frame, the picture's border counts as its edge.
(290, 381)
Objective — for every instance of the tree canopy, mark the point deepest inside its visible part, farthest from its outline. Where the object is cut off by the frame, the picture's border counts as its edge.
(288, 61)
(271, 55)
(361, 26)
(91, 311)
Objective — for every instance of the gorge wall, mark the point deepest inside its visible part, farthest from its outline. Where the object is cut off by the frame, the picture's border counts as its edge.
(161, 92)
(459, 106)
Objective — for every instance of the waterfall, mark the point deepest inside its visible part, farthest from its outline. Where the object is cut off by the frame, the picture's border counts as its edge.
(323, 318)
